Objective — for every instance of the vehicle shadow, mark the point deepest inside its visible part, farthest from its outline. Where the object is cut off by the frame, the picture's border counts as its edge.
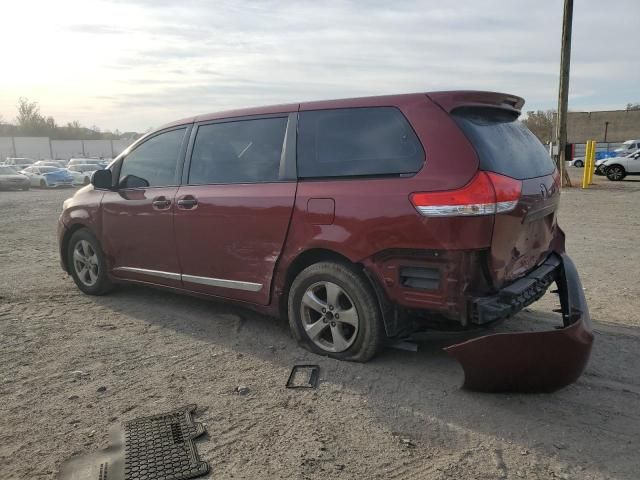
(593, 423)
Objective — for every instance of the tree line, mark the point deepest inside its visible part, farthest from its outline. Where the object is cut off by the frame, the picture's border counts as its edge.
(31, 123)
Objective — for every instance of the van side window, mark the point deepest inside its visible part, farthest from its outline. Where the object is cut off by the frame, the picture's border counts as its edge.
(357, 141)
(243, 151)
(154, 162)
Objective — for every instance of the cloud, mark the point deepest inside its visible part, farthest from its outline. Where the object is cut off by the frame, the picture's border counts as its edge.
(95, 29)
(174, 59)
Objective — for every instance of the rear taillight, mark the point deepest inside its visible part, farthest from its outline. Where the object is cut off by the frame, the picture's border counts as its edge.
(486, 194)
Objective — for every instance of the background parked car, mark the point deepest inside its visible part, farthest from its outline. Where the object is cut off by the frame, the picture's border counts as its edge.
(82, 173)
(50, 163)
(627, 148)
(47, 177)
(600, 157)
(100, 163)
(19, 162)
(11, 179)
(619, 167)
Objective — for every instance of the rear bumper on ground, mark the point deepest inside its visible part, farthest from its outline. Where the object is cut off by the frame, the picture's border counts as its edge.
(542, 361)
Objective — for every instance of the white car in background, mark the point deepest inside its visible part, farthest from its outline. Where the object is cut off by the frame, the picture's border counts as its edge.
(18, 162)
(48, 177)
(98, 162)
(616, 168)
(627, 148)
(82, 173)
(50, 163)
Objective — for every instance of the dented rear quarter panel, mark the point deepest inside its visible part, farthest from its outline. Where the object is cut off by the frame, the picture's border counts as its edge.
(373, 215)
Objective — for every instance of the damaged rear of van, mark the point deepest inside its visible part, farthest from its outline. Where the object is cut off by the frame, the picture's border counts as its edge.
(360, 220)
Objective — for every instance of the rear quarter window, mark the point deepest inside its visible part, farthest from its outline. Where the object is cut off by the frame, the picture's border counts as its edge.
(357, 142)
(504, 145)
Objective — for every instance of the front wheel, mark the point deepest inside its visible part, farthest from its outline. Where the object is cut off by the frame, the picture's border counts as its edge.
(333, 311)
(578, 163)
(43, 183)
(86, 263)
(85, 181)
(616, 173)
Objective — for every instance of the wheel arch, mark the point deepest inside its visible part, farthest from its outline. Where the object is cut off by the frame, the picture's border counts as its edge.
(315, 255)
(64, 245)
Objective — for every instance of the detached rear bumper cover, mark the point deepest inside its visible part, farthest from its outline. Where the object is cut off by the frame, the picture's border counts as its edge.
(533, 361)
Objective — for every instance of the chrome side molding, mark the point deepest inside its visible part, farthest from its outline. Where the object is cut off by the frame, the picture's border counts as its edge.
(221, 282)
(212, 282)
(151, 273)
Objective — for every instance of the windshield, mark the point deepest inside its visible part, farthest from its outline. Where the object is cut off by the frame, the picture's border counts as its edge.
(48, 169)
(504, 144)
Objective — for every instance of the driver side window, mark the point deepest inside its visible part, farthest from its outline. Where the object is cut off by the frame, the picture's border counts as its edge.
(153, 163)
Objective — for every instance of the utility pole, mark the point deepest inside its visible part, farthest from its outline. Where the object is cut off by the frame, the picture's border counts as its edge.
(563, 91)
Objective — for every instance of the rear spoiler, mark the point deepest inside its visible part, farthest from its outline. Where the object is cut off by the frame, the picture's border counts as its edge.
(449, 101)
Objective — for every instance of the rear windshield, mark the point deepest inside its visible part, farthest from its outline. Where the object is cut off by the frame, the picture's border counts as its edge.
(504, 145)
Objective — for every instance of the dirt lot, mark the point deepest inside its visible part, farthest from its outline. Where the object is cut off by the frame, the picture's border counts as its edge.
(402, 415)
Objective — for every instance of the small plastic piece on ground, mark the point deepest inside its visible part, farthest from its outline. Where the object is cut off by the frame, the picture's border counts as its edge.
(407, 346)
(313, 372)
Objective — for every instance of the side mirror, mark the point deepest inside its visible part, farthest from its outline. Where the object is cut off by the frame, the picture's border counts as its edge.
(102, 179)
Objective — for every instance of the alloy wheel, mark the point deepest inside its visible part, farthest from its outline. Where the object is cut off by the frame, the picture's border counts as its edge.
(615, 173)
(329, 317)
(85, 263)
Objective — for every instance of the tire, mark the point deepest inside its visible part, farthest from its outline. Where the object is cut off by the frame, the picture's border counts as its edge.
(43, 184)
(578, 163)
(616, 173)
(341, 289)
(85, 181)
(24, 189)
(94, 279)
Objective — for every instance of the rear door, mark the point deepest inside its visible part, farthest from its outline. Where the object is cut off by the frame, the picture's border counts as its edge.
(137, 217)
(522, 237)
(234, 208)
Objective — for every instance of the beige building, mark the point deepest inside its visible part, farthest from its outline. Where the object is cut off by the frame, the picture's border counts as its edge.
(611, 126)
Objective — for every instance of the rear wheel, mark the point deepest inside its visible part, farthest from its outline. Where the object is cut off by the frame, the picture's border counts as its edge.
(25, 188)
(616, 172)
(43, 183)
(86, 263)
(578, 163)
(333, 311)
(85, 181)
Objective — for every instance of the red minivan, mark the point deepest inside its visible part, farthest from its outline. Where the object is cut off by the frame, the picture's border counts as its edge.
(362, 220)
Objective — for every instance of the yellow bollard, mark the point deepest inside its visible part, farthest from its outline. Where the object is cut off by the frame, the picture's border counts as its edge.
(585, 174)
(592, 163)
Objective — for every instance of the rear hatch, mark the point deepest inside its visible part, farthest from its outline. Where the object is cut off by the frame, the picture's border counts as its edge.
(522, 236)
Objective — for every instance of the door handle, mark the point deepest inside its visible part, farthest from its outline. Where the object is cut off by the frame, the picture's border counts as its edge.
(161, 203)
(187, 202)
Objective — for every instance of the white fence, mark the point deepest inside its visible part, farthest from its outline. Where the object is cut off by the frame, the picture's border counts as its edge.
(41, 148)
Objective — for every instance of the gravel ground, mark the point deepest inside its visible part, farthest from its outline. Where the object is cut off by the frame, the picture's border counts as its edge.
(401, 415)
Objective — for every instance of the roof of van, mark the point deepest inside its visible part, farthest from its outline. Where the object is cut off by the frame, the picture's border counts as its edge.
(446, 99)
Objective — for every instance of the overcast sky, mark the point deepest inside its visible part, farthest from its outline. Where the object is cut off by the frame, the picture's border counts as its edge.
(134, 64)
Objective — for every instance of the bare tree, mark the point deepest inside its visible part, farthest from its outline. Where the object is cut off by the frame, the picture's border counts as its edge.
(541, 124)
(633, 106)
